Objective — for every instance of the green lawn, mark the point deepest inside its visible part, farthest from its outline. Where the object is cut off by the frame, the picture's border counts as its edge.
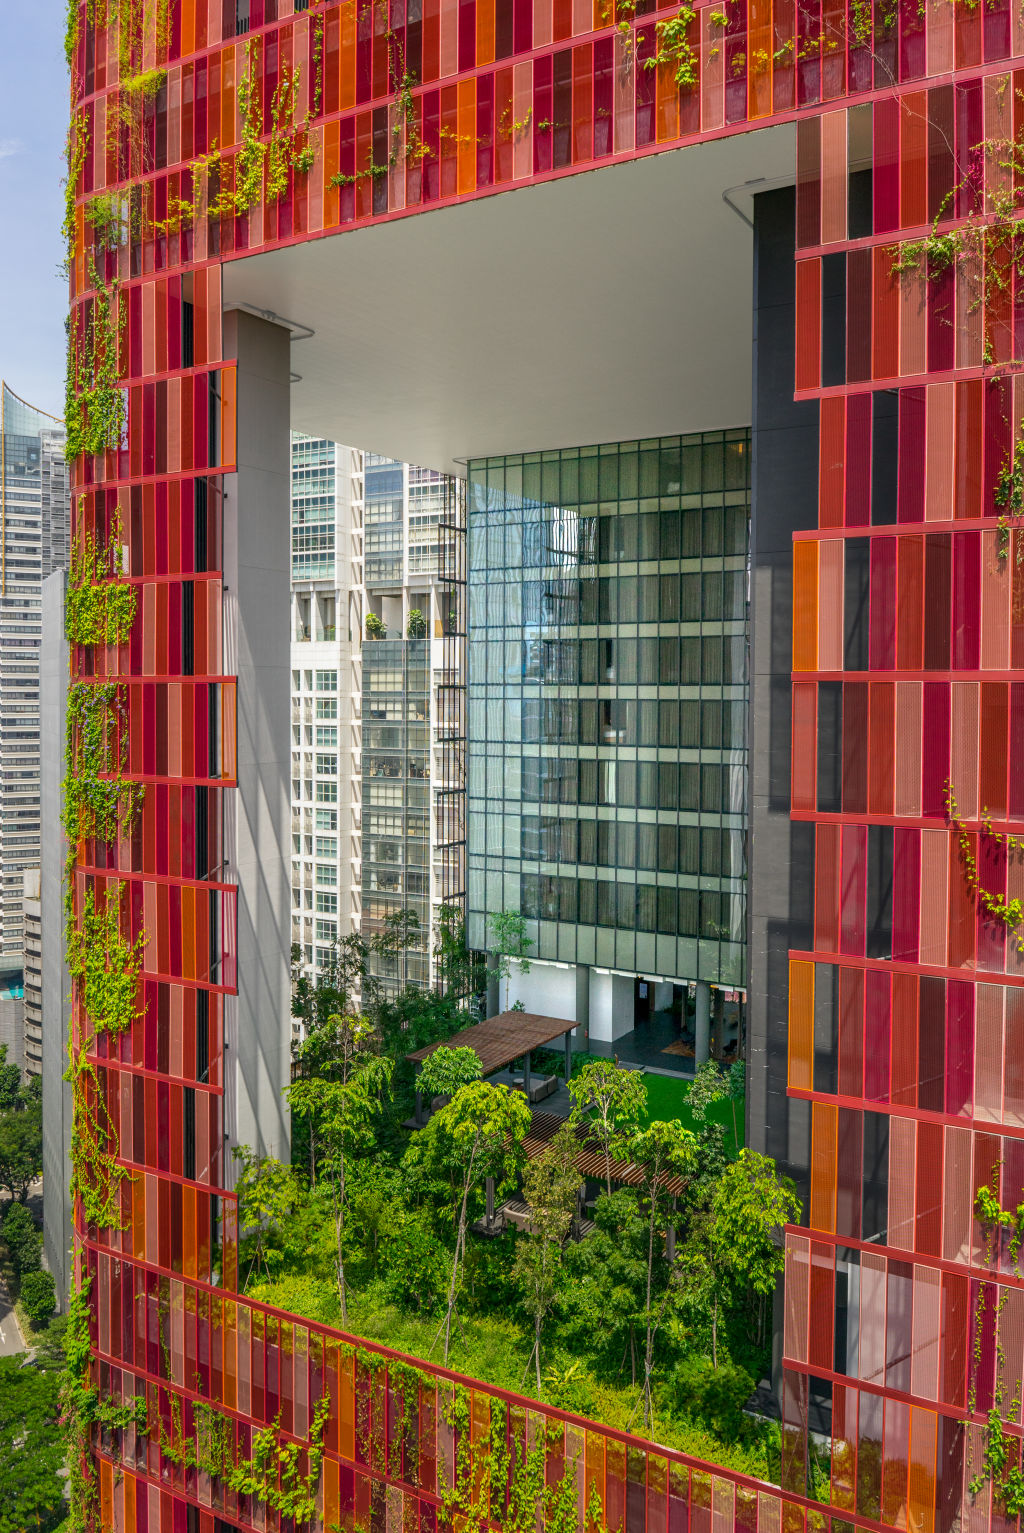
(666, 1098)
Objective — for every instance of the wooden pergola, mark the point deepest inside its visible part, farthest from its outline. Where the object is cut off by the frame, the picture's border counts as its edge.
(589, 1160)
(501, 1039)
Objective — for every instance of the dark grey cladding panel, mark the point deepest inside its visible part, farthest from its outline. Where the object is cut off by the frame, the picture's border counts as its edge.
(785, 500)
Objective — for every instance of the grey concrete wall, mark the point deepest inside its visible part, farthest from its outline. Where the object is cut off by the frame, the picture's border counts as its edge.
(56, 988)
(781, 875)
(257, 561)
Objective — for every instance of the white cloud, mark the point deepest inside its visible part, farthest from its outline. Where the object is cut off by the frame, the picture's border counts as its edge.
(9, 146)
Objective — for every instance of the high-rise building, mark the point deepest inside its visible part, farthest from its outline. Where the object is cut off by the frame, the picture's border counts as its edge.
(34, 531)
(413, 707)
(377, 701)
(493, 232)
(326, 622)
(33, 971)
(608, 717)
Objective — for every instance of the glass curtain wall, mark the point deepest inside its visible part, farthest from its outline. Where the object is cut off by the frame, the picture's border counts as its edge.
(607, 702)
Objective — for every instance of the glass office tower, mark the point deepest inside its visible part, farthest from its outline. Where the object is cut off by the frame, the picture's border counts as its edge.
(608, 695)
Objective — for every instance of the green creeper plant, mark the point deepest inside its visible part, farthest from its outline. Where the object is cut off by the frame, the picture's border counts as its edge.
(673, 46)
(1008, 911)
(98, 607)
(94, 402)
(273, 1473)
(104, 214)
(79, 1400)
(75, 150)
(1009, 497)
(104, 967)
(610, 1100)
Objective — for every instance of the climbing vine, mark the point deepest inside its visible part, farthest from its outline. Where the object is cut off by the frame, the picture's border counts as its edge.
(104, 967)
(986, 248)
(273, 1472)
(1009, 497)
(94, 407)
(98, 607)
(99, 802)
(999, 1451)
(290, 147)
(497, 1481)
(406, 140)
(78, 1398)
(75, 150)
(1009, 912)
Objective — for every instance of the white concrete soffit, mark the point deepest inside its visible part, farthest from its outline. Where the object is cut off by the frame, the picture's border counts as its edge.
(601, 307)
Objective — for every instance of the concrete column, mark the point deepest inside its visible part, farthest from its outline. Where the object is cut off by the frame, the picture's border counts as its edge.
(583, 1004)
(256, 611)
(702, 1033)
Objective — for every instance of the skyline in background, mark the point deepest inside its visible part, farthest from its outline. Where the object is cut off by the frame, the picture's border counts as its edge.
(33, 119)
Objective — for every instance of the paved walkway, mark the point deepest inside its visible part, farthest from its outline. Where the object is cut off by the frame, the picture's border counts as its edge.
(11, 1339)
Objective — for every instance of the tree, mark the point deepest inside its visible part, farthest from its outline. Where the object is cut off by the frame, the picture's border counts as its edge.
(750, 1205)
(21, 1148)
(345, 1107)
(10, 1082)
(416, 626)
(39, 1296)
(550, 1185)
(444, 1071)
(664, 1149)
(22, 1239)
(509, 945)
(737, 1085)
(460, 975)
(709, 1086)
(341, 978)
(31, 1449)
(266, 1195)
(610, 1100)
(604, 1283)
(478, 1134)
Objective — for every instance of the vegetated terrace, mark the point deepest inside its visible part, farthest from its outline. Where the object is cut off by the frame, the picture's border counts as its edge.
(645, 1307)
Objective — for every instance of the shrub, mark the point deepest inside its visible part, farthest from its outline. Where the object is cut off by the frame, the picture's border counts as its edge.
(415, 1265)
(38, 1295)
(571, 1388)
(375, 628)
(416, 627)
(22, 1239)
(714, 1396)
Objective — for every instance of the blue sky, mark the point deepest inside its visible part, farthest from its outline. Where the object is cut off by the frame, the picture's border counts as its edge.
(33, 121)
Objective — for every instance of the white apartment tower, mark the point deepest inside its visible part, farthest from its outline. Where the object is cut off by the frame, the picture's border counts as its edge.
(34, 541)
(378, 700)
